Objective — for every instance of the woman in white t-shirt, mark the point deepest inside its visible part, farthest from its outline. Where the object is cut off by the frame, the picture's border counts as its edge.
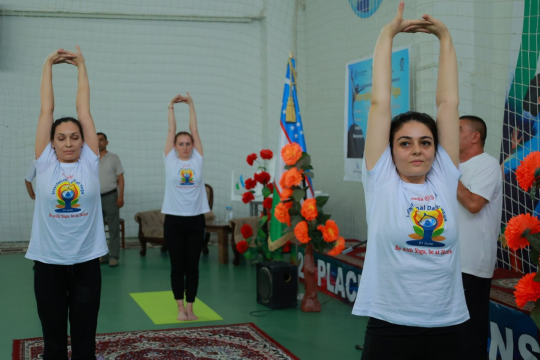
(184, 206)
(67, 230)
(411, 284)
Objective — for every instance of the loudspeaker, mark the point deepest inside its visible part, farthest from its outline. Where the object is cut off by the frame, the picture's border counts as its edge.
(277, 284)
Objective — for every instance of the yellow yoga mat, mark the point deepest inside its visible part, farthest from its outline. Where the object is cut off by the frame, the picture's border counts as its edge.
(161, 308)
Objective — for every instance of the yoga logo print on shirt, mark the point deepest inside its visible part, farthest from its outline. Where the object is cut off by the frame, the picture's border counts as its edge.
(428, 226)
(67, 194)
(187, 177)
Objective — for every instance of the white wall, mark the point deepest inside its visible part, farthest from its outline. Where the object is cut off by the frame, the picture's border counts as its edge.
(336, 36)
(135, 67)
(235, 72)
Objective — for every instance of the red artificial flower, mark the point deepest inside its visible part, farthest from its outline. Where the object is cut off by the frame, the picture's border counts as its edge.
(267, 203)
(527, 290)
(267, 154)
(287, 247)
(525, 172)
(270, 186)
(247, 231)
(518, 227)
(338, 247)
(251, 158)
(242, 246)
(247, 197)
(263, 177)
(250, 184)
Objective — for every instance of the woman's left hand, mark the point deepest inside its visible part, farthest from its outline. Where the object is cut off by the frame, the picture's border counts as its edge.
(79, 60)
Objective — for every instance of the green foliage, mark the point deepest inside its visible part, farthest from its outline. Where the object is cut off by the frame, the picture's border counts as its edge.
(298, 194)
(309, 174)
(262, 220)
(534, 239)
(535, 313)
(321, 200)
(266, 192)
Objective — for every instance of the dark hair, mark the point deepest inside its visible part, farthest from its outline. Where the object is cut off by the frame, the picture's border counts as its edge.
(183, 133)
(100, 133)
(478, 124)
(530, 100)
(399, 120)
(65, 120)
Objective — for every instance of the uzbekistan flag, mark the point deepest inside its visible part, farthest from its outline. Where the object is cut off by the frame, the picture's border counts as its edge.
(290, 132)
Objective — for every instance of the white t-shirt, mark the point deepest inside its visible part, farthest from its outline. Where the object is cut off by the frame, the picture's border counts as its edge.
(412, 273)
(185, 194)
(67, 227)
(478, 232)
(31, 172)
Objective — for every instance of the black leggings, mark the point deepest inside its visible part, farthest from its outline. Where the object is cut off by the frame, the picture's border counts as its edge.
(184, 237)
(68, 290)
(386, 341)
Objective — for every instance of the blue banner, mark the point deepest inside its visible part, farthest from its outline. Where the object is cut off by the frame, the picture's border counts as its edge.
(358, 102)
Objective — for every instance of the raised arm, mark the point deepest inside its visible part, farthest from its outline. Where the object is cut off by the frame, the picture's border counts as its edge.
(380, 114)
(193, 125)
(447, 95)
(46, 119)
(83, 104)
(169, 143)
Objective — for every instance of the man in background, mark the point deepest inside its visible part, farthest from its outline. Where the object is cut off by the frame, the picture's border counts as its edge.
(479, 213)
(111, 179)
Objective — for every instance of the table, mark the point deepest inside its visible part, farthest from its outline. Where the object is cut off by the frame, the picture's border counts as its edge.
(254, 207)
(223, 230)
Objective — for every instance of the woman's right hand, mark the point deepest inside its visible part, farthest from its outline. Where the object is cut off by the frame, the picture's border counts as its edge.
(398, 24)
(61, 56)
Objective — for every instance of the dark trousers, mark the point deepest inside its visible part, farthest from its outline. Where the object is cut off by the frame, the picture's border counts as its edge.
(111, 214)
(475, 331)
(68, 292)
(184, 237)
(385, 341)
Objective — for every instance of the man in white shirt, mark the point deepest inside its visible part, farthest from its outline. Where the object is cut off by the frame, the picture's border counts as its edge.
(111, 180)
(480, 207)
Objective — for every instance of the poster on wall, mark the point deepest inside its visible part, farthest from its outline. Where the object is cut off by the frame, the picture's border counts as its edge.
(358, 84)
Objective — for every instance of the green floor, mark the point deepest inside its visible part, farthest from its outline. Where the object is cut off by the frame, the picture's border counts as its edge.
(229, 290)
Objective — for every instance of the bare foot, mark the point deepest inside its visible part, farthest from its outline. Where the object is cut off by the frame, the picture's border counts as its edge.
(182, 316)
(189, 312)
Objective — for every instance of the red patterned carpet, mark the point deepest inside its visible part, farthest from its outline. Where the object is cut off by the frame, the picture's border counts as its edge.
(238, 341)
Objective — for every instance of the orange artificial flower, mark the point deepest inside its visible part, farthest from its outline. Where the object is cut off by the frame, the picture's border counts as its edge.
(527, 290)
(330, 231)
(301, 232)
(291, 153)
(285, 194)
(309, 209)
(516, 230)
(281, 212)
(291, 178)
(525, 172)
(338, 247)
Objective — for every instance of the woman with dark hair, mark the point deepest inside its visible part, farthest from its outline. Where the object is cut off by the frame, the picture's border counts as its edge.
(184, 206)
(411, 285)
(67, 231)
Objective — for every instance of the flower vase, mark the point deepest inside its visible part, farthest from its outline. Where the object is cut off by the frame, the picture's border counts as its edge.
(310, 302)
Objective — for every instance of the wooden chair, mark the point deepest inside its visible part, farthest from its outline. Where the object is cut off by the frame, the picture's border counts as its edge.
(151, 225)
